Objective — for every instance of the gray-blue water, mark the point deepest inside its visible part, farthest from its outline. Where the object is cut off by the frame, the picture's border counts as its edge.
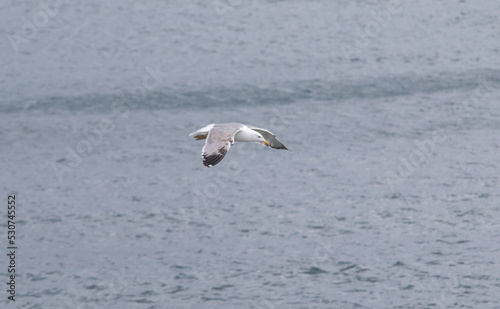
(389, 197)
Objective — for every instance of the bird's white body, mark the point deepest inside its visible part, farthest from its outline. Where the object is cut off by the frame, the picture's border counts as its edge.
(248, 135)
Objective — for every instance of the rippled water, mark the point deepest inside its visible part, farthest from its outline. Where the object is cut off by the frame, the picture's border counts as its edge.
(388, 198)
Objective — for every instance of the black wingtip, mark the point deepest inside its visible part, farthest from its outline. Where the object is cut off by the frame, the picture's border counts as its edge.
(280, 147)
(212, 160)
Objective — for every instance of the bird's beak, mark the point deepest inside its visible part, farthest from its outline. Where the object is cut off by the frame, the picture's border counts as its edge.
(266, 143)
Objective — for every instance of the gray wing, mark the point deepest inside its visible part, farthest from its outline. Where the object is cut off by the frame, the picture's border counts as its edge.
(218, 142)
(270, 137)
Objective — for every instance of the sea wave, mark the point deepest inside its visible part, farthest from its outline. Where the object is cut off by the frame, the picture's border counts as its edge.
(248, 95)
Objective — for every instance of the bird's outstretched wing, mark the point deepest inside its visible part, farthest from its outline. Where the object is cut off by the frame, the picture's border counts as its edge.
(217, 144)
(203, 132)
(270, 137)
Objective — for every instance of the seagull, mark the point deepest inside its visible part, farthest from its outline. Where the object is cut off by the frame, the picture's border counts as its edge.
(220, 137)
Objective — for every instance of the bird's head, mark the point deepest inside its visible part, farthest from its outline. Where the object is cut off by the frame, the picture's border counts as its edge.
(261, 139)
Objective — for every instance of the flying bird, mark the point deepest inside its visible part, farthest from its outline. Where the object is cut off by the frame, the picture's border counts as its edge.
(220, 137)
